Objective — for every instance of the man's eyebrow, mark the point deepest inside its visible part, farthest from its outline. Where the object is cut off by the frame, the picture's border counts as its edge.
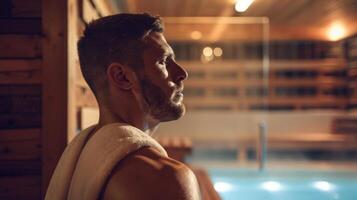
(170, 54)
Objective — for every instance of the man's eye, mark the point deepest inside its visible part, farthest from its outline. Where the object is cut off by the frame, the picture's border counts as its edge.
(163, 61)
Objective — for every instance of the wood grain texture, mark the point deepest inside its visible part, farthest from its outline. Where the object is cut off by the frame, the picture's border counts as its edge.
(20, 71)
(289, 18)
(20, 46)
(55, 102)
(20, 25)
(20, 168)
(20, 187)
(20, 150)
(25, 8)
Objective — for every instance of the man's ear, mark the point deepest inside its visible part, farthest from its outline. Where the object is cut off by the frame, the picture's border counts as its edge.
(120, 76)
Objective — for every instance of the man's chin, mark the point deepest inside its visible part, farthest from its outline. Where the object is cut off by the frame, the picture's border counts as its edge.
(175, 112)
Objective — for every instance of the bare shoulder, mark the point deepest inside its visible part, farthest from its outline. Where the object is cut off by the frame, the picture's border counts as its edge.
(146, 175)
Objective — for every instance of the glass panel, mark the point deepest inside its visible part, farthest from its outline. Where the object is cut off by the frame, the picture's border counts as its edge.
(226, 94)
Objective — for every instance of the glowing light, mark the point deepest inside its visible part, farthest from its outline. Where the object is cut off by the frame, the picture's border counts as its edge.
(336, 32)
(196, 35)
(205, 59)
(242, 5)
(323, 185)
(217, 51)
(222, 186)
(207, 51)
(271, 186)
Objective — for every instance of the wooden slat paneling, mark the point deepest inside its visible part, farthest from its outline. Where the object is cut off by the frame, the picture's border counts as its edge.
(20, 104)
(19, 134)
(20, 150)
(10, 65)
(26, 8)
(20, 90)
(20, 46)
(20, 25)
(57, 100)
(20, 71)
(104, 7)
(14, 121)
(21, 77)
(20, 144)
(20, 167)
(20, 187)
(89, 12)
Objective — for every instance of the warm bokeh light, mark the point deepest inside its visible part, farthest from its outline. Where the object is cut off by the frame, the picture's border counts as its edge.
(272, 186)
(196, 35)
(243, 5)
(217, 52)
(336, 32)
(207, 51)
(222, 186)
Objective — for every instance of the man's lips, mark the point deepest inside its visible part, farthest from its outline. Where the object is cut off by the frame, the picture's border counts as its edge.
(178, 95)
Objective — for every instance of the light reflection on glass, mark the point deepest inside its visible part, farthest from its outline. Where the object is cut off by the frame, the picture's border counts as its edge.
(223, 186)
(272, 186)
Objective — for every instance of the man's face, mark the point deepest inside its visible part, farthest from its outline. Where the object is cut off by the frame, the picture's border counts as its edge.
(161, 80)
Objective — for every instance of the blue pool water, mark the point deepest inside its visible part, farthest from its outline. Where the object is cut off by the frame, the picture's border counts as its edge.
(233, 184)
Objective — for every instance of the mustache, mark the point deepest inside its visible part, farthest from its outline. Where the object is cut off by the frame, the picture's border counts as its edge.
(179, 88)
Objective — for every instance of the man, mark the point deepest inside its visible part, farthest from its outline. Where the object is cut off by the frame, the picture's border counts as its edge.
(132, 71)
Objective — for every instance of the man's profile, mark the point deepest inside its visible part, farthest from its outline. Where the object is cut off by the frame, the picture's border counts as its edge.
(132, 71)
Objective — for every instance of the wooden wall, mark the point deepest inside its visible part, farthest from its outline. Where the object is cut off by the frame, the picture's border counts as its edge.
(21, 63)
(351, 54)
(41, 88)
(302, 75)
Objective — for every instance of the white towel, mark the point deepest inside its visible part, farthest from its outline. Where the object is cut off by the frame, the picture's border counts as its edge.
(84, 167)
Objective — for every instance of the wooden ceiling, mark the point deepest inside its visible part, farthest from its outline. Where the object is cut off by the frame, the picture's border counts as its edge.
(289, 19)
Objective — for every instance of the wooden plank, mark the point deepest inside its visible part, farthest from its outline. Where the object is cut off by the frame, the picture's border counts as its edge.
(10, 65)
(20, 187)
(30, 46)
(20, 150)
(20, 144)
(104, 7)
(26, 8)
(19, 134)
(24, 104)
(20, 167)
(73, 36)
(20, 25)
(21, 77)
(257, 64)
(352, 53)
(89, 12)
(57, 95)
(16, 121)
(20, 90)
(242, 84)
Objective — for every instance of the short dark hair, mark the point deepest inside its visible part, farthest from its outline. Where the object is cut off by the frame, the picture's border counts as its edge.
(115, 38)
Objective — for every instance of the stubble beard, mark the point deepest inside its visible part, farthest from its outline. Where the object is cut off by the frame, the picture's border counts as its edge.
(158, 105)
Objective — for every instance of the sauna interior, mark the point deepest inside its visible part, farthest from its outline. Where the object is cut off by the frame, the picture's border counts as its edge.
(271, 97)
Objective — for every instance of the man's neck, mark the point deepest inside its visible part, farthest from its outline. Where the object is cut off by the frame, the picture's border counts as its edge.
(141, 121)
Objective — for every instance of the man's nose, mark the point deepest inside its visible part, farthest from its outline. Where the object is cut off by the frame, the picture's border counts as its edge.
(180, 73)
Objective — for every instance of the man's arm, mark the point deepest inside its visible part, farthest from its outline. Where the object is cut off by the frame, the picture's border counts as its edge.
(146, 175)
